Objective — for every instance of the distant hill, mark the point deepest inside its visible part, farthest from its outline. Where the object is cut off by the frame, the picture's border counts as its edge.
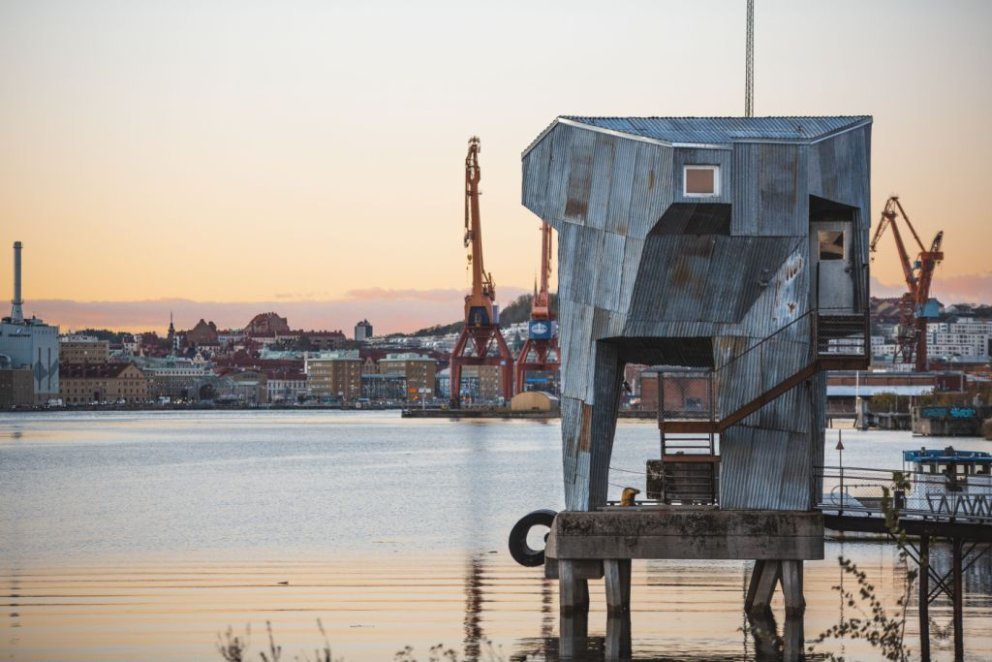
(516, 312)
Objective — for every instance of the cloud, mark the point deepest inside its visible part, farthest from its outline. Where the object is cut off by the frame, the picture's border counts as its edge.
(965, 288)
(384, 294)
(389, 311)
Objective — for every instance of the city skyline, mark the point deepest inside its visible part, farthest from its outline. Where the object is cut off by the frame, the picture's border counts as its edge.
(310, 157)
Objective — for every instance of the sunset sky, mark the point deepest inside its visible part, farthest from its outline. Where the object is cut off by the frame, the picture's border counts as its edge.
(222, 158)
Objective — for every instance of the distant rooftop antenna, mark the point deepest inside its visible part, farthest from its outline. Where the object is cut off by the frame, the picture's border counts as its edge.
(749, 63)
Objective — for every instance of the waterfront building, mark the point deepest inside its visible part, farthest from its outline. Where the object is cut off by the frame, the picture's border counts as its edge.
(244, 387)
(419, 371)
(16, 387)
(86, 383)
(175, 377)
(83, 349)
(334, 376)
(286, 385)
(30, 342)
(383, 388)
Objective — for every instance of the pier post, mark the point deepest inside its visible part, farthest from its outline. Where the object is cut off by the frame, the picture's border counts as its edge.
(573, 592)
(958, 600)
(618, 640)
(924, 600)
(764, 577)
(573, 633)
(793, 639)
(792, 588)
(617, 579)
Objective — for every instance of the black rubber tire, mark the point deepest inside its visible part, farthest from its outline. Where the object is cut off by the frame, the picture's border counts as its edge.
(521, 552)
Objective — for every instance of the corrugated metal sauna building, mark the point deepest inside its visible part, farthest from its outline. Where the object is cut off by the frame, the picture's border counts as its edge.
(729, 244)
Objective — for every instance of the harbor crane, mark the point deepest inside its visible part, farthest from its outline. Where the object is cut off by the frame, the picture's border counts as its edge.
(915, 306)
(540, 352)
(481, 342)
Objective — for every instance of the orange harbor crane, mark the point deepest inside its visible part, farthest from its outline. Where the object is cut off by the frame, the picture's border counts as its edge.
(480, 342)
(540, 352)
(914, 308)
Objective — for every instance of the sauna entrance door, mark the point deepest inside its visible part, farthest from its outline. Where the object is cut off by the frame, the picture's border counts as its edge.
(830, 254)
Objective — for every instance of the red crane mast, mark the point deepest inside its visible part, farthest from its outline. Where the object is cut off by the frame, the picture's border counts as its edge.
(914, 310)
(481, 341)
(540, 352)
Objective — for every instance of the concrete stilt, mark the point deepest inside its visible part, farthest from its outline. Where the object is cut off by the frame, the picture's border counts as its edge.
(792, 587)
(617, 579)
(766, 575)
(793, 639)
(764, 631)
(618, 640)
(764, 578)
(573, 634)
(573, 592)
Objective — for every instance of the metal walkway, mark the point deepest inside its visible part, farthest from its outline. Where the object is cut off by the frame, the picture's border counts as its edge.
(936, 506)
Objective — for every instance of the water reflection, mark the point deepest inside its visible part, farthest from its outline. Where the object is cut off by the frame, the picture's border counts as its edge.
(15, 617)
(474, 574)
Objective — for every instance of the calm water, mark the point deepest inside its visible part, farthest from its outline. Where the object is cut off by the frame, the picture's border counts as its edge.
(143, 536)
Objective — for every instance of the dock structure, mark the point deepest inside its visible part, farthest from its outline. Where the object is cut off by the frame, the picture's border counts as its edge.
(736, 248)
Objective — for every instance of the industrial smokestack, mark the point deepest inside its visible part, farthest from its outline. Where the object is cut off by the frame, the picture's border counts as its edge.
(17, 311)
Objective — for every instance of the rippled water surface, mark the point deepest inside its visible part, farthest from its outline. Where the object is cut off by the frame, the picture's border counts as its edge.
(143, 536)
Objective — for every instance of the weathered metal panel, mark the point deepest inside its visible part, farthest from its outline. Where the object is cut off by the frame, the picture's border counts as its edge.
(609, 271)
(568, 237)
(602, 181)
(652, 192)
(536, 172)
(558, 173)
(630, 266)
(579, 184)
(781, 182)
(724, 130)
(575, 324)
(622, 186)
(744, 217)
(717, 278)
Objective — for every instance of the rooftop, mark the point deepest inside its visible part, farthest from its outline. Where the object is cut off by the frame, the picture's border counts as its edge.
(717, 130)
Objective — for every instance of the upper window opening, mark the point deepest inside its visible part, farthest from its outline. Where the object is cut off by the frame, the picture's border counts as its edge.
(701, 181)
(831, 245)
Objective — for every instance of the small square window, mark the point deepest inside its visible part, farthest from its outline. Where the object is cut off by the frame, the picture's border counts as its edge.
(831, 245)
(700, 181)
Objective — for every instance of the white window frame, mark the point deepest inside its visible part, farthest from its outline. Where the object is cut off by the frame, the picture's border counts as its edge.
(715, 169)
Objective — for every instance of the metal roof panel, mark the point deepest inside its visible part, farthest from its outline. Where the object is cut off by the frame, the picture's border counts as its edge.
(724, 130)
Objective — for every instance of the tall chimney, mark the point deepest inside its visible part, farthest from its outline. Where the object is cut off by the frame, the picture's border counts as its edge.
(17, 311)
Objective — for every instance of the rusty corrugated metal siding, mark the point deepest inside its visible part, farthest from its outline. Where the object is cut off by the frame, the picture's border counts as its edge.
(640, 279)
